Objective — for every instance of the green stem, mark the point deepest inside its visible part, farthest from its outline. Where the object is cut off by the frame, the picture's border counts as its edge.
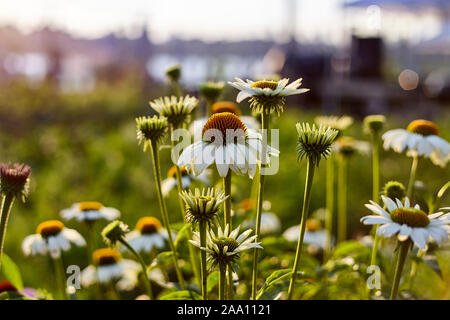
(208, 108)
(163, 208)
(60, 278)
(192, 253)
(222, 281)
(177, 88)
(265, 117)
(375, 168)
(376, 240)
(227, 222)
(412, 177)
(204, 272)
(329, 205)
(375, 191)
(342, 199)
(147, 283)
(305, 209)
(7, 204)
(402, 254)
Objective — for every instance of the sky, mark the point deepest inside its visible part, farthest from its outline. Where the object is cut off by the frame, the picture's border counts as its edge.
(209, 20)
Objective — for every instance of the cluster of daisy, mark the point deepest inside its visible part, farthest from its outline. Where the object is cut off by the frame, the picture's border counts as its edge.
(227, 143)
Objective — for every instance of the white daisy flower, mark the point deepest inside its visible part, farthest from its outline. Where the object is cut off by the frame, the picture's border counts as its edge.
(147, 235)
(347, 146)
(421, 138)
(226, 247)
(314, 234)
(176, 110)
(407, 222)
(270, 223)
(229, 144)
(186, 179)
(89, 211)
(334, 122)
(267, 94)
(109, 266)
(51, 238)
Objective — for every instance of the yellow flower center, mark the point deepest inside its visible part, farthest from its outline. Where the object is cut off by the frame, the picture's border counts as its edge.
(173, 172)
(223, 122)
(147, 225)
(423, 127)
(263, 84)
(247, 204)
(106, 256)
(226, 106)
(313, 225)
(411, 217)
(223, 242)
(50, 228)
(90, 205)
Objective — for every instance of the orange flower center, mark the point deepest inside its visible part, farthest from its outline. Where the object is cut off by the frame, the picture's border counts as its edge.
(263, 84)
(223, 122)
(173, 172)
(423, 127)
(90, 205)
(313, 225)
(226, 106)
(106, 256)
(148, 225)
(50, 228)
(411, 217)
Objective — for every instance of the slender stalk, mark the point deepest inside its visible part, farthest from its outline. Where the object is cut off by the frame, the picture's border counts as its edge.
(147, 283)
(162, 205)
(402, 254)
(227, 221)
(222, 282)
(265, 129)
(177, 88)
(375, 191)
(342, 199)
(329, 205)
(412, 177)
(305, 209)
(60, 278)
(192, 252)
(375, 168)
(208, 108)
(204, 272)
(7, 203)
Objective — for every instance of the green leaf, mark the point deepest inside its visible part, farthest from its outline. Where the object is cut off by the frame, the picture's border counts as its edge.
(351, 248)
(181, 295)
(276, 283)
(182, 234)
(161, 260)
(11, 272)
(213, 280)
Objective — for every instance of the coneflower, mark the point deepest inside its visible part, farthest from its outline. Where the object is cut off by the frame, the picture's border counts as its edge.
(313, 144)
(150, 132)
(14, 183)
(202, 208)
(115, 233)
(266, 97)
